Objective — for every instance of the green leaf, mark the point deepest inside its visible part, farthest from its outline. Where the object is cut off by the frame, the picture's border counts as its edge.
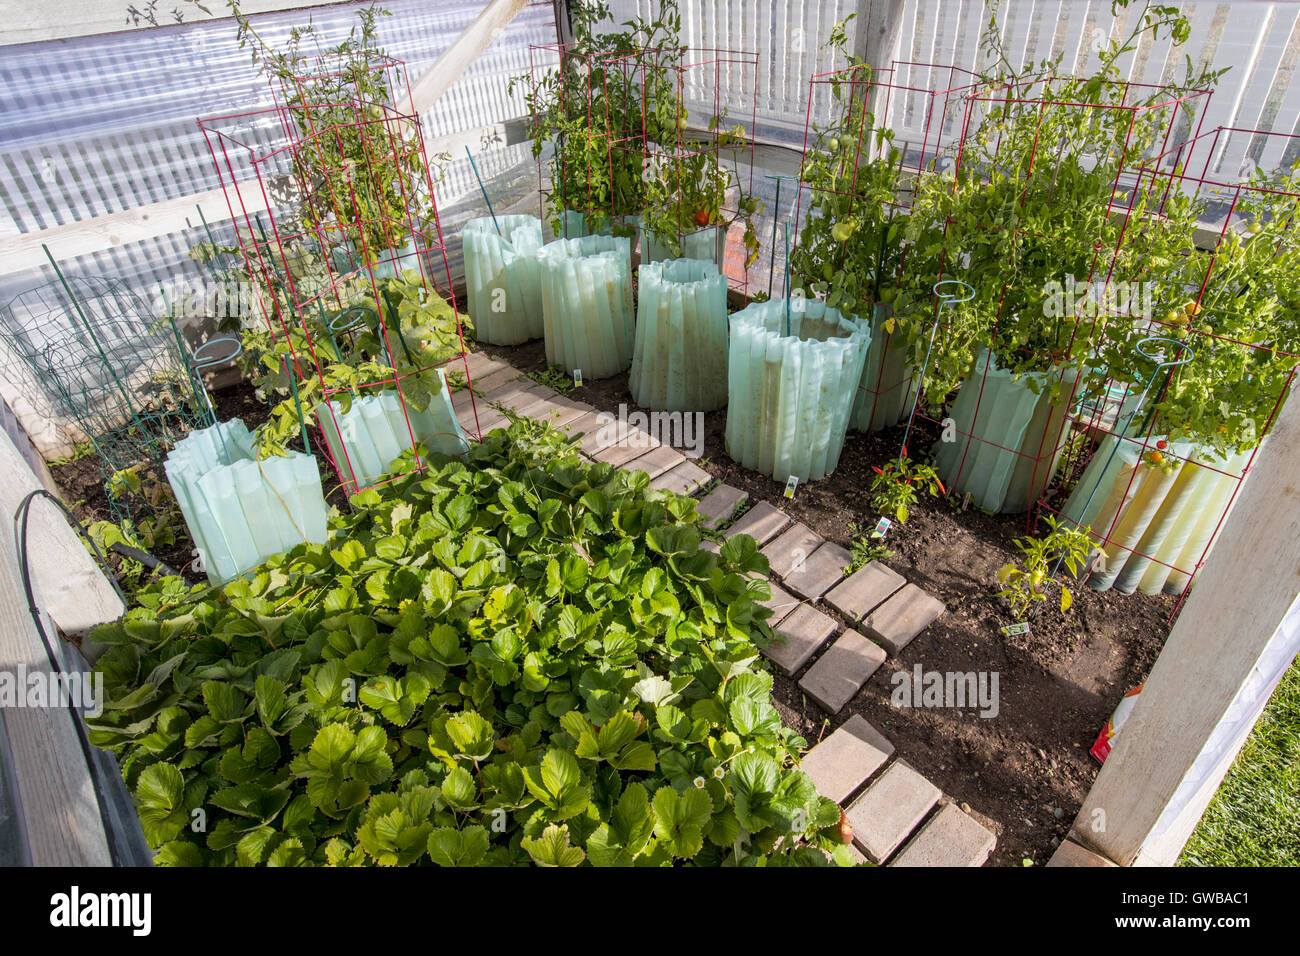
(552, 847)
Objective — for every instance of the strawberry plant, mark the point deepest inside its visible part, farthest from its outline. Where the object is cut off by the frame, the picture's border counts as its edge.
(508, 659)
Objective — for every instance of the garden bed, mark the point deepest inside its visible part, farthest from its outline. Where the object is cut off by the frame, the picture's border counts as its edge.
(1058, 684)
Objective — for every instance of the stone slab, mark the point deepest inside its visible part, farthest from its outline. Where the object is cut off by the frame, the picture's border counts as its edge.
(949, 838)
(890, 809)
(556, 412)
(480, 365)
(1070, 853)
(656, 461)
(685, 479)
(719, 505)
(761, 522)
(792, 548)
(805, 629)
(820, 572)
(841, 671)
(782, 603)
(494, 379)
(846, 759)
(628, 444)
(905, 615)
(864, 590)
(517, 393)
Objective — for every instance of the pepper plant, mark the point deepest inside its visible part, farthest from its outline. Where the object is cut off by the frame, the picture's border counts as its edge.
(508, 659)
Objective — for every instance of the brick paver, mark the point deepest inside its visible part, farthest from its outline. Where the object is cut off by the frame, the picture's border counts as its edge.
(841, 671)
(761, 522)
(890, 809)
(846, 759)
(556, 412)
(820, 571)
(782, 603)
(949, 838)
(685, 479)
(805, 629)
(792, 548)
(1070, 853)
(905, 615)
(656, 461)
(861, 592)
(719, 505)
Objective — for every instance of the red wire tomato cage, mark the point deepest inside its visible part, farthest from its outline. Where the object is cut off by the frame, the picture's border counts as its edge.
(335, 108)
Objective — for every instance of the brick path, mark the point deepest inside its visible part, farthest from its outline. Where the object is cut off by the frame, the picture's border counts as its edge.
(838, 630)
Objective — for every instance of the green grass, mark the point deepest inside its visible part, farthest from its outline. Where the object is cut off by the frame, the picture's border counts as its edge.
(1254, 819)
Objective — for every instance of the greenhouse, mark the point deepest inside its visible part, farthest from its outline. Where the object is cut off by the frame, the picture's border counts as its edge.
(625, 433)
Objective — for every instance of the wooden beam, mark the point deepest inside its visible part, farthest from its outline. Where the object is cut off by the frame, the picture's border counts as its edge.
(464, 50)
(60, 808)
(879, 30)
(25, 22)
(1237, 633)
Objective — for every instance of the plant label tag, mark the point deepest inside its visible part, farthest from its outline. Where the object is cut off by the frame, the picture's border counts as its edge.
(1013, 630)
(577, 378)
(965, 502)
(791, 484)
(882, 526)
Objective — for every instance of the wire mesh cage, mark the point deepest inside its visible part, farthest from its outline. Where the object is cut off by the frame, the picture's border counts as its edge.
(334, 205)
(644, 142)
(1183, 393)
(116, 372)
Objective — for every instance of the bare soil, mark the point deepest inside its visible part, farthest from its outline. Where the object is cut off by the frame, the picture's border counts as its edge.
(1025, 772)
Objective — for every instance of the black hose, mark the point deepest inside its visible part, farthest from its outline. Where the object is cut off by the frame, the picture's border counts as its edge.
(122, 832)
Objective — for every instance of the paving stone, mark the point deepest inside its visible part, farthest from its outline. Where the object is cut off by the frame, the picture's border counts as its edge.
(890, 809)
(686, 479)
(556, 412)
(719, 505)
(792, 547)
(514, 394)
(486, 384)
(846, 759)
(656, 461)
(628, 443)
(864, 590)
(1070, 853)
(586, 425)
(710, 546)
(761, 522)
(782, 603)
(805, 629)
(949, 838)
(821, 570)
(841, 671)
(481, 365)
(905, 615)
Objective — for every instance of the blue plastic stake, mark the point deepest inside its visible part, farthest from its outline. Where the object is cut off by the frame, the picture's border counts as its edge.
(302, 422)
(946, 290)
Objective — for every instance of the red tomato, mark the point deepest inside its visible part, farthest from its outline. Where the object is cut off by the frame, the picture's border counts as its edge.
(702, 218)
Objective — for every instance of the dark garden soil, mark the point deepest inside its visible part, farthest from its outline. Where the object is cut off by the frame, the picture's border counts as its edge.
(1024, 772)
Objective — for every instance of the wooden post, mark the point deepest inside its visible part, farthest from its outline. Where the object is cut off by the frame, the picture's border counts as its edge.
(879, 30)
(1238, 632)
(464, 50)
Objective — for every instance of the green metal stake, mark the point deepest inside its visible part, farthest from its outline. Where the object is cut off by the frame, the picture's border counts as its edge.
(483, 190)
(787, 277)
(771, 260)
(302, 421)
(95, 339)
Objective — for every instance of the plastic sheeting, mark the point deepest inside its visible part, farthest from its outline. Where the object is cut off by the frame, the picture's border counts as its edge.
(1003, 454)
(587, 304)
(680, 353)
(503, 277)
(707, 244)
(791, 395)
(1157, 521)
(888, 385)
(241, 511)
(365, 439)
